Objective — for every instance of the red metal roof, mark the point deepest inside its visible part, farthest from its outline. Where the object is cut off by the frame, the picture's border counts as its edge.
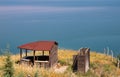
(39, 45)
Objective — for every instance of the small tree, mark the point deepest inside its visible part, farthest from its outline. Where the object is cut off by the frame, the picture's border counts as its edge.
(8, 67)
(36, 74)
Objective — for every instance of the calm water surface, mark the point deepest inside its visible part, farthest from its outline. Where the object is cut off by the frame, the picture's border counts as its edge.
(72, 24)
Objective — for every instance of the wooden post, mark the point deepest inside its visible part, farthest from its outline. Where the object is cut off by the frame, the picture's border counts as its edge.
(49, 59)
(49, 53)
(112, 54)
(108, 50)
(34, 57)
(20, 53)
(26, 52)
(89, 56)
(43, 53)
(85, 63)
(57, 53)
(118, 63)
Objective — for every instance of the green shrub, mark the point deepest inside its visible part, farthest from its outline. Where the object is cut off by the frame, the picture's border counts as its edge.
(107, 67)
(62, 62)
(36, 74)
(94, 65)
(118, 56)
(21, 74)
(8, 67)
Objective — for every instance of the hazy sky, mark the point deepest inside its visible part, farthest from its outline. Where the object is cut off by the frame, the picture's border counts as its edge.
(53, 6)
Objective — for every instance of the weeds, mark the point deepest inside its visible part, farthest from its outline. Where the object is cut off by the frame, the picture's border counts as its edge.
(100, 66)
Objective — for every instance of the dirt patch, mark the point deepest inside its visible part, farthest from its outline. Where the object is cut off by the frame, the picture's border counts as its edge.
(60, 69)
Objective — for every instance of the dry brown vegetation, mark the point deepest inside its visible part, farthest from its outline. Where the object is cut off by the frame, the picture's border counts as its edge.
(101, 66)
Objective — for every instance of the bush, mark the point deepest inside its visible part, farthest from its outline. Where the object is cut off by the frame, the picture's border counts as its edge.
(21, 74)
(8, 67)
(94, 65)
(62, 62)
(118, 56)
(36, 74)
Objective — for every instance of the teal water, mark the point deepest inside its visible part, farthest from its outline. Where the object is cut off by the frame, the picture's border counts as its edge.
(73, 24)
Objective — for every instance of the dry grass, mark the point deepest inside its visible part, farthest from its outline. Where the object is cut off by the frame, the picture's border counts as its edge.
(101, 65)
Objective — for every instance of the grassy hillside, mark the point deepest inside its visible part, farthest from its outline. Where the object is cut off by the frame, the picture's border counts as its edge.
(101, 66)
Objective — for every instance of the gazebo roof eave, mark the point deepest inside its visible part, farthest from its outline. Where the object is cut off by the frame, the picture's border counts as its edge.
(33, 49)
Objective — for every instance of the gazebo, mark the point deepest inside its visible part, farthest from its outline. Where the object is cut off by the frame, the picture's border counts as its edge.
(41, 60)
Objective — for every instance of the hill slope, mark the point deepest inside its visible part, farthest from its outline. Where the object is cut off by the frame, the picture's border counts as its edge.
(100, 66)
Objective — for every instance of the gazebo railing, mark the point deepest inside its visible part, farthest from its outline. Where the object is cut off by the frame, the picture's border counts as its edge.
(44, 64)
(40, 61)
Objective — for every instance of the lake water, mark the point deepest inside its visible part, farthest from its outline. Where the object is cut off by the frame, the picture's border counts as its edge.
(72, 25)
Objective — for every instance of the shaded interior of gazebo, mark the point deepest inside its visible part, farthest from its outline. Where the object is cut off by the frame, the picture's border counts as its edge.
(41, 60)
